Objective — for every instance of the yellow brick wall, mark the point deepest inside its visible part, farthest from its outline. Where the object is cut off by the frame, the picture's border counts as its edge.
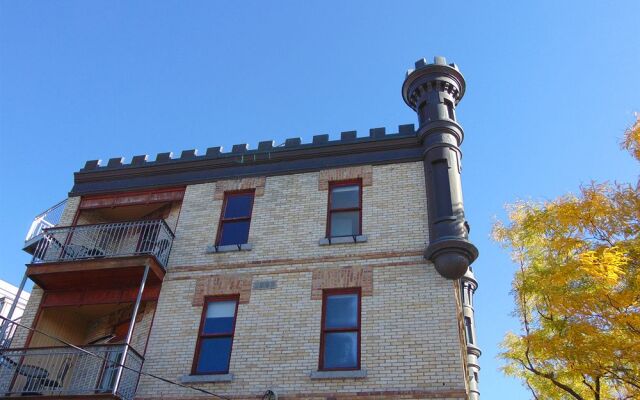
(290, 218)
(410, 339)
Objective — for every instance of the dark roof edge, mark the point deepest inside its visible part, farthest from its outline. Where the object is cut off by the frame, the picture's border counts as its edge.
(377, 148)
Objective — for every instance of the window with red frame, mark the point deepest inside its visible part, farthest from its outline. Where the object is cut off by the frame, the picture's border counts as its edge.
(235, 218)
(213, 350)
(345, 209)
(340, 337)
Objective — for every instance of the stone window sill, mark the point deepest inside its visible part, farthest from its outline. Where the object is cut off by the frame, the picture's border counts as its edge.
(343, 240)
(359, 374)
(206, 378)
(228, 248)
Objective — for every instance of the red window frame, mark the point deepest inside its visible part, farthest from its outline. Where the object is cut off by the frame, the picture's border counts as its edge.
(201, 335)
(323, 330)
(330, 211)
(222, 219)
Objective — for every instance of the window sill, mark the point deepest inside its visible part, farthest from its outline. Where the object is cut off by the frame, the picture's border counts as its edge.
(206, 378)
(343, 240)
(359, 374)
(228, 248)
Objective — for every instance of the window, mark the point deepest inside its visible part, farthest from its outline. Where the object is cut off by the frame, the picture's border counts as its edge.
(450, 113)
(467, 324)
(218, 324)
(345, 209)
(340, 338)
(235, 218)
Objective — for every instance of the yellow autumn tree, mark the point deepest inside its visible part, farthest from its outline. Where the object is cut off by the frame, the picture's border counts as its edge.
(577, 291)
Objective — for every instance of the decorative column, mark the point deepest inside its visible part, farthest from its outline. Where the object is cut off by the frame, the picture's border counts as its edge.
(433, 91)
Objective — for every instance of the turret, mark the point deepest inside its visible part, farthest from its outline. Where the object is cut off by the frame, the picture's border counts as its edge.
(433, 91)
(468, 286)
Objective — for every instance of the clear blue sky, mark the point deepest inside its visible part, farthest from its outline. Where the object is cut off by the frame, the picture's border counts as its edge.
(551, 88)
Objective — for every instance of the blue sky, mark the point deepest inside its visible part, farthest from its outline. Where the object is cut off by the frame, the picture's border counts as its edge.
(551, 88)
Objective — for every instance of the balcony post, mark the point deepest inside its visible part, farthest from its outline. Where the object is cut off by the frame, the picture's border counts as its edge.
(5, 324)
(127, 342)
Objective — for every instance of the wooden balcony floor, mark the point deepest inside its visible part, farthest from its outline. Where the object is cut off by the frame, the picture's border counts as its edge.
(98, 273)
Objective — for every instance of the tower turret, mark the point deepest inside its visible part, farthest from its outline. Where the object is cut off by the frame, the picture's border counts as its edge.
(468, 286)
(433, 92)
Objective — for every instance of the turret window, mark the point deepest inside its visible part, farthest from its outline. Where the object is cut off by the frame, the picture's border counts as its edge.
(469, 329)
(450, 111)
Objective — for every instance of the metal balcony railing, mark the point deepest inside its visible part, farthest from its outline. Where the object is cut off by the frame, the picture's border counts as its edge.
(81, 242)
(47, 219)
(65, 371)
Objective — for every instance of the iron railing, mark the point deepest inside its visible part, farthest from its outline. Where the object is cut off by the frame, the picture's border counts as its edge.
(5, 340)
(46, 219)
(65, 371)
(81, 242)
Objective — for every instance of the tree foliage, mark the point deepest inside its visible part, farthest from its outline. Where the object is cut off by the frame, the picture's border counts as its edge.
(577, 291)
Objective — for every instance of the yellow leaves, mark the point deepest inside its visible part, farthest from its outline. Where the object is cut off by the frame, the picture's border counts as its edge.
(631, 141)
(577, 290)
(605, 264)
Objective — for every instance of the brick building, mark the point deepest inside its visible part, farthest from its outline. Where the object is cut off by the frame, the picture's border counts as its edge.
(331, 269)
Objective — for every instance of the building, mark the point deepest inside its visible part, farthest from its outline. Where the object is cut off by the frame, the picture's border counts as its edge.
(8, 295)
(332, 269)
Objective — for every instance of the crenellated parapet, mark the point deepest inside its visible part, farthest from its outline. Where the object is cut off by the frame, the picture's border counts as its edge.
(293, 155)
(242, 151)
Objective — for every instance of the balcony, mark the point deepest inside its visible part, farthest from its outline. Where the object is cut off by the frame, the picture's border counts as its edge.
(93, 371)
(93, 252)
(42, 221)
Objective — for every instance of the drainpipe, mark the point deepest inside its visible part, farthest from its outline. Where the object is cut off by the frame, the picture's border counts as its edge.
(127, 342)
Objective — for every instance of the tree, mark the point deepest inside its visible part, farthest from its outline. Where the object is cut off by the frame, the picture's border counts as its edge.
(577, 291)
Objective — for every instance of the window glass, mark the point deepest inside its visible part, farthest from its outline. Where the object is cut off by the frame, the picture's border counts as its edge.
(341, 311)
(467, 323)
(341, 350)
(345, 223)
(239, 205)
(214, 355)
(340, 341)
(345, 197)
(236, 232)
(219, 317)
(213, 351)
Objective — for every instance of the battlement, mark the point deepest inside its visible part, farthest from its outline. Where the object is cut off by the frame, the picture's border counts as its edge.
(265, 148)
(428, 77)
(437, 60)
